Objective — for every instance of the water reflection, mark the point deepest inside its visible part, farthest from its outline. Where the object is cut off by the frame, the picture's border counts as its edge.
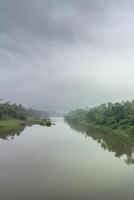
(6, 135)
(120, 145)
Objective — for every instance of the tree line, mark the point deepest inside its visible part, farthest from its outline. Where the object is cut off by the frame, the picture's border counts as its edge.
(114, 115)
(8, 109)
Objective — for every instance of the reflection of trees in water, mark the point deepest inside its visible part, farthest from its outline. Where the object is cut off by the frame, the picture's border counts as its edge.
(118, 144)
(5, 135)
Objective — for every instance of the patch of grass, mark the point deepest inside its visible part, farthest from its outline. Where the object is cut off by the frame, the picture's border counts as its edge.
(10, 124)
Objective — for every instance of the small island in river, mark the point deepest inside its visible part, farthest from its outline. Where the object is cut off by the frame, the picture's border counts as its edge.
(117, 118)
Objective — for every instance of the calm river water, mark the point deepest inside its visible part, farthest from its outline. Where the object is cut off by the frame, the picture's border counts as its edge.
(65, 162)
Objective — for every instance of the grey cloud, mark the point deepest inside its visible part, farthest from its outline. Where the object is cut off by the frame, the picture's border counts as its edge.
(96, 22)
(66, 53)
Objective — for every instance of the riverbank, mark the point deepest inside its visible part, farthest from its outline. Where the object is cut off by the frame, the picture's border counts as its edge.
(127, 131)
(117, 118)
(120, 130)
(13, 125)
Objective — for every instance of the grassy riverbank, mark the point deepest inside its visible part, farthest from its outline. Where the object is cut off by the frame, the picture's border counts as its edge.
(120, 130)
(14, 125)
(10, 124)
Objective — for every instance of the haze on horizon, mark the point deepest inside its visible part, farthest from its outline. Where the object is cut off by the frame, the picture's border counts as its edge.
(67, 53)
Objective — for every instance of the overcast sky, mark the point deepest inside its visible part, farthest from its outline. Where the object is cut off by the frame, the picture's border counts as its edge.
(65, 54)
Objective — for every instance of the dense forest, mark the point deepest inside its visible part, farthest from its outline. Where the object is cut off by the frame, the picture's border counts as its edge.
(118, 117)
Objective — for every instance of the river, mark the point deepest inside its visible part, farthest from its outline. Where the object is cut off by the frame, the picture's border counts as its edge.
(65, 162)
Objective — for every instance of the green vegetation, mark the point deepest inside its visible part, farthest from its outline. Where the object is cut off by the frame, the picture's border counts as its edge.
(19, 112)
(40, 121)
(13, 117)
(10, 124)
(115, 117)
